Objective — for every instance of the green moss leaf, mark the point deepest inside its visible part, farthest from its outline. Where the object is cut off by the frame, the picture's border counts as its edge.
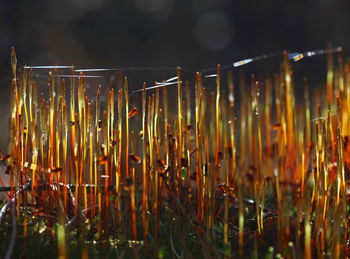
(183, 173)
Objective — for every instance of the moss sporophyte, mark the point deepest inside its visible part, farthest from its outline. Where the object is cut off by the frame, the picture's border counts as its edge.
(248, 169)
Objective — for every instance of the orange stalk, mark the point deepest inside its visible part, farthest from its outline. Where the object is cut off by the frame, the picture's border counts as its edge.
(127, 126)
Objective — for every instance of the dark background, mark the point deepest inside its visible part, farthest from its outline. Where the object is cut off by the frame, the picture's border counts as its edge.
(195, 34)
(139, 33)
